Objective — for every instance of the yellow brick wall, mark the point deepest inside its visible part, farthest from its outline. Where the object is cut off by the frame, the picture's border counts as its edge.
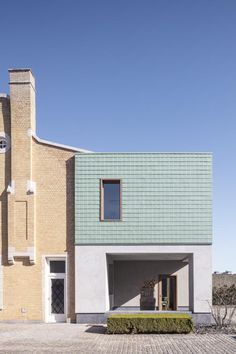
(5, 173)
(23, 283)
(52, 168)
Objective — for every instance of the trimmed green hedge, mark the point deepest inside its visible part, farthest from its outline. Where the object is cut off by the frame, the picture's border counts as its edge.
(149, 323)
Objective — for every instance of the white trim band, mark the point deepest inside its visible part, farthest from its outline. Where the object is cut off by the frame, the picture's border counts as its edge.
(46, 142)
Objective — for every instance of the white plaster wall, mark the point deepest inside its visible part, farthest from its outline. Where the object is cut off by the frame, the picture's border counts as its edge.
(91, 283)
(129, 277)
(91, 293)
(202, 280)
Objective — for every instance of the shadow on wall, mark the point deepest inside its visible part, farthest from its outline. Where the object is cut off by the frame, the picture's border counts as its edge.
(130, 276)
(70, 226)
(5, 114)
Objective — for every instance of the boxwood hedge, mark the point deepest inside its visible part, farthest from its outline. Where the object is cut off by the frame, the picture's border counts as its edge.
(149, 323)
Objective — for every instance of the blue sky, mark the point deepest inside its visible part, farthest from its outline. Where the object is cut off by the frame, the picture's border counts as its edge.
(132, 75)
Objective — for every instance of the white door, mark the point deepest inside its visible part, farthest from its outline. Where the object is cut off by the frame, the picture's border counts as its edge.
(56, 290)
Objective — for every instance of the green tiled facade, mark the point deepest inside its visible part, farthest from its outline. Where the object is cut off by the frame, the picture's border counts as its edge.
(166, 198)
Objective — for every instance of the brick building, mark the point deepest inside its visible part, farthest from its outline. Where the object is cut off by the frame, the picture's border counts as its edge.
(82, 232)
(36, 208)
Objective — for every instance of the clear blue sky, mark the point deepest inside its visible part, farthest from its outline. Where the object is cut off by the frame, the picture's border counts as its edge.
(132, 75)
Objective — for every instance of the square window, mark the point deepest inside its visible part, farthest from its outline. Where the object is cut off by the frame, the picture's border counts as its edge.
(110, 200)
(57, 267)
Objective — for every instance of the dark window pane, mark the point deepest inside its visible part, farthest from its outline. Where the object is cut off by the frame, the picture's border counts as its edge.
(57, 291)
(111, 200)
(3, 143)
(164, 286)
(57, 266)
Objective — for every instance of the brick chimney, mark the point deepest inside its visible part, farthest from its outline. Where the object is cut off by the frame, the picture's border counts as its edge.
(22, 105)
(21, 194)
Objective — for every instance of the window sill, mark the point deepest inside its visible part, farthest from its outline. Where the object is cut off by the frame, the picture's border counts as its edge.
(111, 220)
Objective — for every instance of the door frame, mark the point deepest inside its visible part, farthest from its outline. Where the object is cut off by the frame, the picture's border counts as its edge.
(160, 291)
(47, 279)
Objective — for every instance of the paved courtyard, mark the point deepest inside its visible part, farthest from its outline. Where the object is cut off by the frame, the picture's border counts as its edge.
(71, 338)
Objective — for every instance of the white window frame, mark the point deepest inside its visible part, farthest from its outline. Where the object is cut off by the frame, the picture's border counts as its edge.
(46, 291)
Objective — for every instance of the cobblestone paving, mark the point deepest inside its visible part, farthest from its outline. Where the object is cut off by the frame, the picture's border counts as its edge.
(71, 338)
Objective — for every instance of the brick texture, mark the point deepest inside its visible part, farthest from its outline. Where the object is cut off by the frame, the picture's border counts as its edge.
(43, 221)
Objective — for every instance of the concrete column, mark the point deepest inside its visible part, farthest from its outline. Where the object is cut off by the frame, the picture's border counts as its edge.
(202, 279)
(91, 280)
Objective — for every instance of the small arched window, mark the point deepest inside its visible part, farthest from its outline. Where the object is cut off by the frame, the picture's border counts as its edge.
(4, 142)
